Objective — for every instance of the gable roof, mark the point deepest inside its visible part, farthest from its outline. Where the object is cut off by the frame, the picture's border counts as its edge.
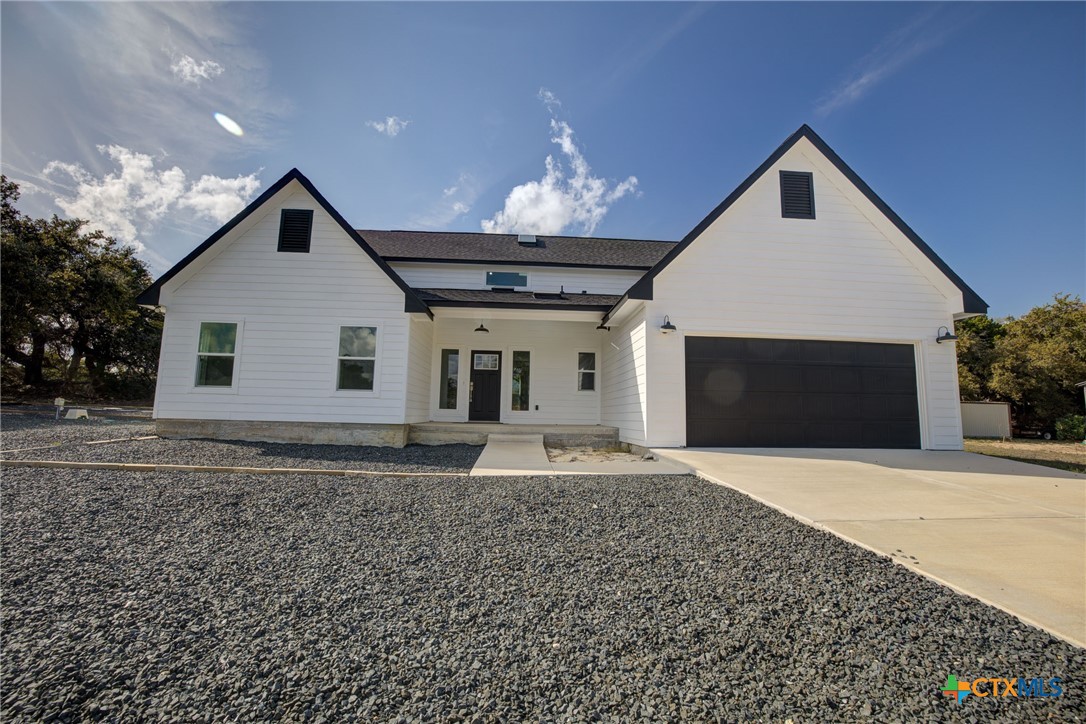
(412, 303)
(642, 289)
(482, 248)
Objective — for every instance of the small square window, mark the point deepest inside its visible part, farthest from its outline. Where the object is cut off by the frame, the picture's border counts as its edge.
(586, 371)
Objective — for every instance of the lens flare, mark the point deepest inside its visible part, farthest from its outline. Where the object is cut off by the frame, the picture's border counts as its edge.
(229, 124)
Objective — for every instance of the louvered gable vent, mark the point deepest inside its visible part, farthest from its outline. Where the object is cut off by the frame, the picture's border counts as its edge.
(295, 230)
(797, 195)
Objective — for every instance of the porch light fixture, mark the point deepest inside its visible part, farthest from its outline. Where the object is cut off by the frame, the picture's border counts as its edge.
(944, 336)
(667, 327)
(482, 329)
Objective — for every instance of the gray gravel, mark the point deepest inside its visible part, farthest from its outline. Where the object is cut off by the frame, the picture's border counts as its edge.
(130, 596)
(21, 431)
(28, 429)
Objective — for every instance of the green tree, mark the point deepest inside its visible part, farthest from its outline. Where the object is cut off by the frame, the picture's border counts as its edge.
(1039, 359)
(977, 338)
(73, 294)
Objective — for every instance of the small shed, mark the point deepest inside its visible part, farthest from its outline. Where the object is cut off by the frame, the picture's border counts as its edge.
(986, 419)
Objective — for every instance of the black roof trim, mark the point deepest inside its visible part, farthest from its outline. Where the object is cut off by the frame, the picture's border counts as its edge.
(490, 262)
(521, 305)
(510, 299)
(642, 289)
(412, 303)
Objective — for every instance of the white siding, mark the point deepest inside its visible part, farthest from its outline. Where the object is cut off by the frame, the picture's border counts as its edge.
(420, 350)
(289, 307)
(845, 275)
(553, 381)
(624, 403)
(540, 279)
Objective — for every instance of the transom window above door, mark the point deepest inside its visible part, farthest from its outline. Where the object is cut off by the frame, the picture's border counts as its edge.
(486, 361)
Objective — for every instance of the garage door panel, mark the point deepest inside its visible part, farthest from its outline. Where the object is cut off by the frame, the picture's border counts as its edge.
(800, 393)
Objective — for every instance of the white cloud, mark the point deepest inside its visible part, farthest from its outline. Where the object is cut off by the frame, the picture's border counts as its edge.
(549, 100)
(129, 202)
(891, 54)
(562, 199)
(188, 70)
(220, 199)
(391, 126)
(455, 201)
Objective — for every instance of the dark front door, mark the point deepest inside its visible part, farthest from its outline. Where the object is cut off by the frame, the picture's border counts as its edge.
(800, 393)
(486, 386)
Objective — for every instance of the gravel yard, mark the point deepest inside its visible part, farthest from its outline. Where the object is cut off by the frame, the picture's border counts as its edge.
(192, 596)
(24, 431)
(30, 429)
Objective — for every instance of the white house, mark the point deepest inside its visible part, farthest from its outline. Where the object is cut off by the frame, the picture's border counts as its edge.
(801, 312)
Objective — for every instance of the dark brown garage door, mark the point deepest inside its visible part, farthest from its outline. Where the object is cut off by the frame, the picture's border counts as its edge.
(800, 393)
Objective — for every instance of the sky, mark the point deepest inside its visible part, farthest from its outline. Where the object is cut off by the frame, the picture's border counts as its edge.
(628, 120)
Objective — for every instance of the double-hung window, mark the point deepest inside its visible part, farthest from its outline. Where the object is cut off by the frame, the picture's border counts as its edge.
(215, 354)
(586, 371)
(357, 361)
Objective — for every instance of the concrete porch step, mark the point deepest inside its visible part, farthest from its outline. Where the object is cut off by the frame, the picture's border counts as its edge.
(478, 433)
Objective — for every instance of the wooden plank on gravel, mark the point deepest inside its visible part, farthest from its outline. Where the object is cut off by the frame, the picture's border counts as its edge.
(155, 467)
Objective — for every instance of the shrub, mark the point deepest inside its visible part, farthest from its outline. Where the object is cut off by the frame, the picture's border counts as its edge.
(1071, 427)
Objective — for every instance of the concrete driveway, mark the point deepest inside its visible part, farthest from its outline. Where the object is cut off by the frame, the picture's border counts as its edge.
(1011, 534)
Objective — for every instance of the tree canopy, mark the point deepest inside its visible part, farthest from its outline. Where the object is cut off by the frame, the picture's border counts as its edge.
(68, 304)
(1033, 362)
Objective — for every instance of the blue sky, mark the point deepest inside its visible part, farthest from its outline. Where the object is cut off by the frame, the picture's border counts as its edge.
(968, 119)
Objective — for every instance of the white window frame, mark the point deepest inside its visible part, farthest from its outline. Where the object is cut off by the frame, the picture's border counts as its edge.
(218, 389)
(595, 370)
(375, 392)
(527, 278)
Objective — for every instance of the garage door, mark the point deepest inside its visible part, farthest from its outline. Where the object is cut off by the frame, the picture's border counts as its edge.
(800, 393)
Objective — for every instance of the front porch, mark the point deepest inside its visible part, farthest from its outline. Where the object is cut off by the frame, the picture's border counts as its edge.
(477, 433)
(522, 368)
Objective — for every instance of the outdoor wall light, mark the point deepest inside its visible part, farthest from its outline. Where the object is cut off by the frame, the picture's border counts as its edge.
(482, 329)
(667, 327)
(944, 336)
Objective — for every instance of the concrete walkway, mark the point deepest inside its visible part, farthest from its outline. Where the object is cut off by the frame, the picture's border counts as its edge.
(1010, 534)
(512, 454)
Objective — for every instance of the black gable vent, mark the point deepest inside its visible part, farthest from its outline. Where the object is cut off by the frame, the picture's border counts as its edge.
(295, 229)
(797, 195)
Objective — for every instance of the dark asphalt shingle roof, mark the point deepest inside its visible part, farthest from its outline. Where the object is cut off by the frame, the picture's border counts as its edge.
(479, 247)
(489, 297)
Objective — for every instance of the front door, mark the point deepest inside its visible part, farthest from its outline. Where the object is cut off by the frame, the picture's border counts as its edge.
(485, 391)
